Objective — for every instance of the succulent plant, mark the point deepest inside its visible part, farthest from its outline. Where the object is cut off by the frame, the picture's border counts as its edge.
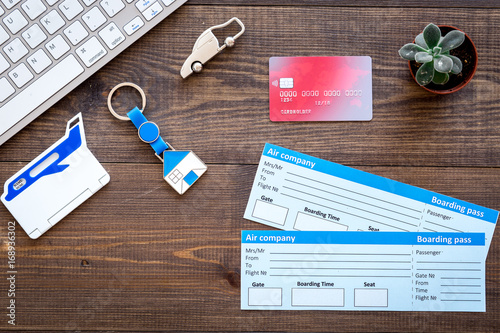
(433, 52)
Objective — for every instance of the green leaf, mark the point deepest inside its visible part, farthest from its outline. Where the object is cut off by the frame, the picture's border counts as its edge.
(420, 41)
(443, 64)
(452, 40)
(457, 65)
(436, 51)
(408, 51)
(440, 78)
(432, 34)
(425, 73)
(423, 57)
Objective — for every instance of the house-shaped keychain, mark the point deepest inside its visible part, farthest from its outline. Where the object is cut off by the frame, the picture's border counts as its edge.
(181, 168)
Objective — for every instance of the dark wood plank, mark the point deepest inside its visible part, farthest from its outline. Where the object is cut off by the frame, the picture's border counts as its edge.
(360, 3)
(222, 114)
(138, 257)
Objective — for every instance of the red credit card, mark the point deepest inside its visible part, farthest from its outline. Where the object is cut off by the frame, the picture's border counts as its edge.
(320, 88)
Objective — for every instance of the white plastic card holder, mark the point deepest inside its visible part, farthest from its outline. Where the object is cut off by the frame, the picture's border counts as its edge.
(55, 183)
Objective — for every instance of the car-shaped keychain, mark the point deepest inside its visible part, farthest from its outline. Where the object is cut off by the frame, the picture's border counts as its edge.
(207, 46)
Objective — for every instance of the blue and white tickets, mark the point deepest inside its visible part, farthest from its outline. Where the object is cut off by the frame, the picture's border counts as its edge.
(295, 191)
(54, 183)
(349, 270)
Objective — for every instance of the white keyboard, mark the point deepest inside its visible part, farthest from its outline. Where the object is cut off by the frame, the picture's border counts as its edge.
(49, 47)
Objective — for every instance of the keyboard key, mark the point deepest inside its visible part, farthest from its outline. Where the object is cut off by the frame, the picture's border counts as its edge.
(70, 8)
(88, 2)
(112, 7)
(34, 36)
(6, 89)
(94, 19)
(10, 3)
(4, 36)
(39, 61)
(91, 51)
(142, 5)
(35, 94)
(15, 50)
(57, 47)
(2, 11)
(152, 11)
(15, 21)
(168, 2)
(4, 64)
(33, 8)
(76, 32)
(133, 25)
(111, 35)
(20, 75)
(52, 21)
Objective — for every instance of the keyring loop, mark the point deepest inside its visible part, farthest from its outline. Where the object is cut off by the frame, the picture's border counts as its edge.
(125, 84)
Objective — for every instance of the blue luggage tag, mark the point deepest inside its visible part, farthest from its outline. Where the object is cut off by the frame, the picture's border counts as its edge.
(181, 168)
(55, 183)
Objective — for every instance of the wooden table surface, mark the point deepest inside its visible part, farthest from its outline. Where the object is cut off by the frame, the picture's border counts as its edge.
(139, 257)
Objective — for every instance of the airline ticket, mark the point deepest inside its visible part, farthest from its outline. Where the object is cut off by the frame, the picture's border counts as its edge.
(349, 270)
(295, 191)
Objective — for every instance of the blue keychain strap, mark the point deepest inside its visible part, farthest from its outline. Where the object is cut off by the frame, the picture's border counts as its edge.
(148, 131)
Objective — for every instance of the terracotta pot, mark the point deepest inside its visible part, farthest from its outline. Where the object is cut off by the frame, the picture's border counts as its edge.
(457, 81)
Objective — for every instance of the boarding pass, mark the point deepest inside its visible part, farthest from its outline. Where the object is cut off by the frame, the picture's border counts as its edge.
(295, 191)
(377, 271)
